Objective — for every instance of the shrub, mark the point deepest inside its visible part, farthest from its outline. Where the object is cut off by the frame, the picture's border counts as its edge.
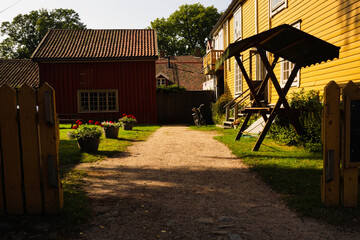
(218, 110)
(310, 108)
(170, 89)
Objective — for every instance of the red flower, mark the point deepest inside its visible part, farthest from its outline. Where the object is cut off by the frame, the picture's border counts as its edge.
(79, 123)
(75, 127)
(110, 122)
(97, 123)
(124, 114)
(133, 117)
(91, 121)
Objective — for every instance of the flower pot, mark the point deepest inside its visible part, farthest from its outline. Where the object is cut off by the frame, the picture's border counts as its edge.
(111, 132)
(89, 144)
(128, 125)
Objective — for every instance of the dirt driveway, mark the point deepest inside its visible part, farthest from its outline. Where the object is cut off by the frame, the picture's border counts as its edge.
(183, 184)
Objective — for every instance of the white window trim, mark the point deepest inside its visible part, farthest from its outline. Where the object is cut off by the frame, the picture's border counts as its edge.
(238, 35)
(163, 81)
(97, 91)
(296, 82)
(273, 11)
(237, 68)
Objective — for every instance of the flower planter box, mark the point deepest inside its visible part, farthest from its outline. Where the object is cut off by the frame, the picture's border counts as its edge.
(111, 132)
(128, 126)
(89, 144)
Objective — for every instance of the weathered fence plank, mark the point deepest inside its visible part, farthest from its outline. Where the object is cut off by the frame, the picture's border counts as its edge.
(349, 170)
(10, 151)
(49, 140)
(30, 149)
(176, 107)
(330, 181)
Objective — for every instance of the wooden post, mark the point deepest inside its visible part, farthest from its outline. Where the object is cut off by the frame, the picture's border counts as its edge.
(30, 150)
(227, 113)
(349, 169)
(10, 151)
(236, 112)
(330, 180)
(49, 138)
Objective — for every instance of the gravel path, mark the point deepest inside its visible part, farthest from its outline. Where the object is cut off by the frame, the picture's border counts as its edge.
(183, 184)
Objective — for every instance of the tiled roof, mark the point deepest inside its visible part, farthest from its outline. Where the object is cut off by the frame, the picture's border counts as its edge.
(185, 71)
(16, 72)
(97, 45)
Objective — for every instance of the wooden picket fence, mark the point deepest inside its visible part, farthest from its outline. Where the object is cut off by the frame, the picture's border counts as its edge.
(341, 139)
(29, 144)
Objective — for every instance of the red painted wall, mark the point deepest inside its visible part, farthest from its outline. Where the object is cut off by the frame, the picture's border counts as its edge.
(134, 80)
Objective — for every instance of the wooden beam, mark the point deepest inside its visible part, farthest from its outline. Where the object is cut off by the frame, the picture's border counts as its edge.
(243, 126)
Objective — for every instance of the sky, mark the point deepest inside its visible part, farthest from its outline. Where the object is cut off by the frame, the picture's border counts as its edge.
(107, 14)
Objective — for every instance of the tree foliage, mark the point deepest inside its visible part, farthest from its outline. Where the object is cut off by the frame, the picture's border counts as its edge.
(186, 29)
(26, 31)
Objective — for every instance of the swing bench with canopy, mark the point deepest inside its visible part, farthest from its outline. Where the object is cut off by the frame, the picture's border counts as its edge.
(285, 42)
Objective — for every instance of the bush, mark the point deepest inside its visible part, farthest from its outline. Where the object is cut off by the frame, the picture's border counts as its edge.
(218, 110)
(310, 109)
(170, 89)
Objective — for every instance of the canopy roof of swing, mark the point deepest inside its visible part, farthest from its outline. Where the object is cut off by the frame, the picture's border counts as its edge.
(288, 43)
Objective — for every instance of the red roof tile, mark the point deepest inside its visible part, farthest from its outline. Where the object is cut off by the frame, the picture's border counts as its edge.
(185, 71)
(97, 45)
(16, 72)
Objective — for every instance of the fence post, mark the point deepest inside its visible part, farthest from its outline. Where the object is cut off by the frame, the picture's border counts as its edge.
(10, 151)
(349, 170)
(49, 138)
(30, 149)
(330, 180)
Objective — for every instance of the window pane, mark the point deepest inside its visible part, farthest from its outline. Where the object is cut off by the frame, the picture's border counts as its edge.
(112, 101)
(93, 101)
(84, 101)
(102, 101)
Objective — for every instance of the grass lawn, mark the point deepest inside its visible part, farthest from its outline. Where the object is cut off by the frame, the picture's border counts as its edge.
(291, 171)
(76, 206)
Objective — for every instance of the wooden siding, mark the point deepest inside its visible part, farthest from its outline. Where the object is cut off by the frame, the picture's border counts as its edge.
(135, 82)
(336, 22)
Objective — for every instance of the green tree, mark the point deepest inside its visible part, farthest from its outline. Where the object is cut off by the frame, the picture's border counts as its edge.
(26, 31)
(186, 29)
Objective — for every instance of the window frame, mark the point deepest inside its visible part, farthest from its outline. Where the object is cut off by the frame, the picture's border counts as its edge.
(280, 6)
(237, 31)
(97, 91)
(238, 84)
(162, 79)
(296, 82)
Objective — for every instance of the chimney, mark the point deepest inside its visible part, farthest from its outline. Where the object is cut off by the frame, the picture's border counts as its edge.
(197, 52)
(162, 54)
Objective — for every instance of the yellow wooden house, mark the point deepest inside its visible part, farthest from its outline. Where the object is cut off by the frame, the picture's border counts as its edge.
(334, 21)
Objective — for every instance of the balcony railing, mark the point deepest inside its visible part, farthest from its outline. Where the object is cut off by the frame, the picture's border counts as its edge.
(210, 59)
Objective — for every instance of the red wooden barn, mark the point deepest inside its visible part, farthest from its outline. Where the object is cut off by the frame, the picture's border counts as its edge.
(101, 74)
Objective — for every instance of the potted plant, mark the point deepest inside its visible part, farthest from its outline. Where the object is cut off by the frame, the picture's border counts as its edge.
(111, 129)
(128, 121)
(87, 135)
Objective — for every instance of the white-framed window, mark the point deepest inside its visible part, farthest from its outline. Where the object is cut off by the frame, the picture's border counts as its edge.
(237, 79)
(276, 6)
(287, 67)
(160, 81)
(97, 100)
(237, 24)
(219, 40)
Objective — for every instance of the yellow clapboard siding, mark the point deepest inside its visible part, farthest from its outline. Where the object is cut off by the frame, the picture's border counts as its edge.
(30, 150)
(10, 151)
